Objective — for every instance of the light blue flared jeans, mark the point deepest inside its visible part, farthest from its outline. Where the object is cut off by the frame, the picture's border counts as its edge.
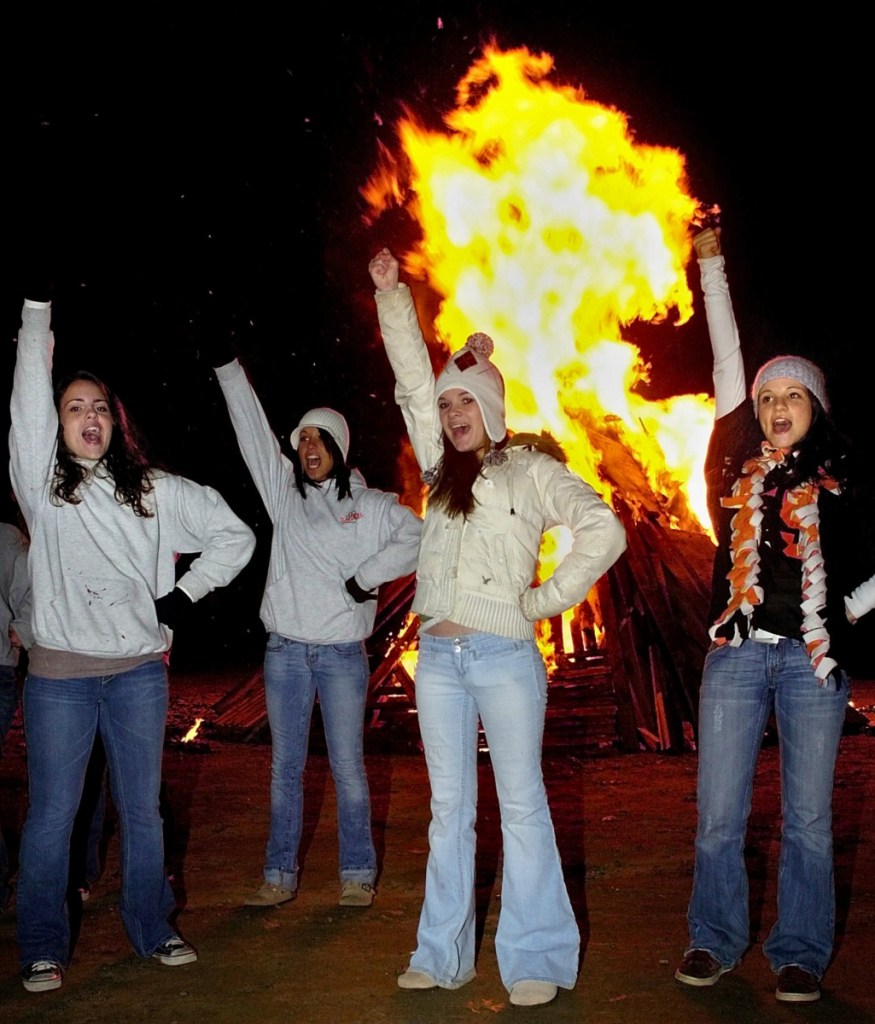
(503, 683)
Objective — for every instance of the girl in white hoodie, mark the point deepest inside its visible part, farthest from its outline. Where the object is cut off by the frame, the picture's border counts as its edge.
(106, 528)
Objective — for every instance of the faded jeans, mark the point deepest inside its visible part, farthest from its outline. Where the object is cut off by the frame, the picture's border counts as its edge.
(294, 674)
(740, 687)
(61, 718)
(503, 683)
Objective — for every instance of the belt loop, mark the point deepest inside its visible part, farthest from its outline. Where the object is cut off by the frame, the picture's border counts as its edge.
(763, 636)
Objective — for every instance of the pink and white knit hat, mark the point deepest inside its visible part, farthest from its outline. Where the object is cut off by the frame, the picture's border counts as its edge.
(795, 368)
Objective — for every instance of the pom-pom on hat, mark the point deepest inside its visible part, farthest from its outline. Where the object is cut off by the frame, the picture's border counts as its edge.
(471, 370)
(795, 368)
(324, 419)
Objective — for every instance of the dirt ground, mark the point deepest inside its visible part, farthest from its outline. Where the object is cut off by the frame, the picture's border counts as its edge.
(625, 826)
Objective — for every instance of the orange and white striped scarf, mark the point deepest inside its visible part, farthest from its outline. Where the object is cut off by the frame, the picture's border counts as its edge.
(800, 512)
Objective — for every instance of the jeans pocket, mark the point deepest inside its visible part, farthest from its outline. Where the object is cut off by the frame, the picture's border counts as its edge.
(350, 650)
(275, 643)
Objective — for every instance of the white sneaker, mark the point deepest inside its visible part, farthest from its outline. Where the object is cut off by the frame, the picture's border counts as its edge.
(418, 980)
(532, 993)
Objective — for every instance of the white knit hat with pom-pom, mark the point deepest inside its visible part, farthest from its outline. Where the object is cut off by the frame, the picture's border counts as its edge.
(471, 370)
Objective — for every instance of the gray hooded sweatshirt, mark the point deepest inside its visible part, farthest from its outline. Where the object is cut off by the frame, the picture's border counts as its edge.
(318, 542)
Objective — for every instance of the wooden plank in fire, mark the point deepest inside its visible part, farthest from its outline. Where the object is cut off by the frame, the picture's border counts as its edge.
(673, 679)
(673, 574)
(622, 615)
(685, 561)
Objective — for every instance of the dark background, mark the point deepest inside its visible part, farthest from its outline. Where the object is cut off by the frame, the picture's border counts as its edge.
(150, 159)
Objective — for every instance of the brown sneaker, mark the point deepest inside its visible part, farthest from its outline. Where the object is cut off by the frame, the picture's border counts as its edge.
(797, 986)
(698, 967)
(356, 894)
(269, 896)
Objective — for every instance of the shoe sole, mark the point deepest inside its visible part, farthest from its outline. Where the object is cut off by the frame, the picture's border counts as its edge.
(421, 983)
(421, 986)
(41, 986)
(689, 979)
(176, 961)
(797, 997)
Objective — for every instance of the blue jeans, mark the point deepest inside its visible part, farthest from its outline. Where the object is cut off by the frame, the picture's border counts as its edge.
(740, 686)
(294, 673)
(8, 704)
(504, 683)
(85, 843)
(61, 718)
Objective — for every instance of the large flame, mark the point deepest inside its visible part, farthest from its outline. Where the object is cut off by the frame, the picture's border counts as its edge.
(546, 225)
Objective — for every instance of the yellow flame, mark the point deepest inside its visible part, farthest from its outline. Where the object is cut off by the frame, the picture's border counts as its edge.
(546, 225)
(193, 731)
(408, 659)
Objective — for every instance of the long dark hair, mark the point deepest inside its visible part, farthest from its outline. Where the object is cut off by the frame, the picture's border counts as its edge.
(823, 451)
(453, 487)
(125, 460)
(340, 471)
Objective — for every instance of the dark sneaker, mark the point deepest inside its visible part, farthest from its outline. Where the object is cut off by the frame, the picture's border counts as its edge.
(797, 986)
(698, 967)
(42, 976)
(175, 951)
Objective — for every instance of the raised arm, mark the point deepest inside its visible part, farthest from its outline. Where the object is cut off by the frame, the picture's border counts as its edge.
(259, 446)
(408, 355)
(216, 326)
(728, 371)
(33, 433)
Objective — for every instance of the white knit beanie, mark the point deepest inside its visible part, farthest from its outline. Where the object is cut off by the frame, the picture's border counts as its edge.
(324, 419)
(795, 368)
(471, 370)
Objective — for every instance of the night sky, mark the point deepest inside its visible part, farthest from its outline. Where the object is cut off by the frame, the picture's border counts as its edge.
(147, 163)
